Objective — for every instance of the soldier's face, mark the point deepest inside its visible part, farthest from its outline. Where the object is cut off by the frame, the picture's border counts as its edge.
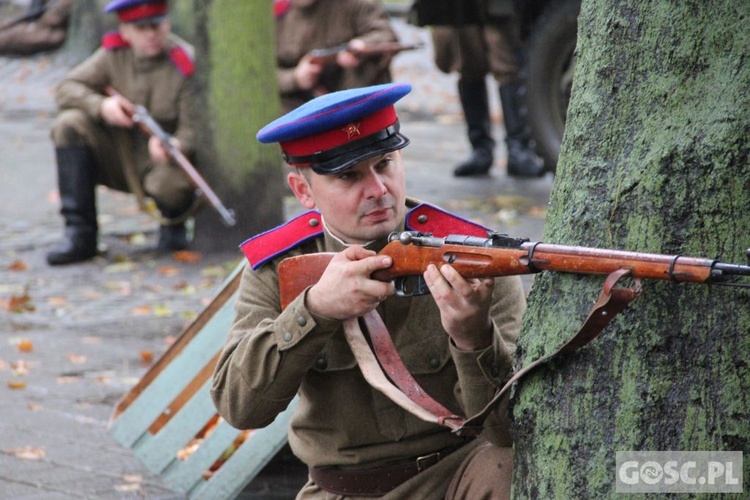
(146, 40)
(361, 204)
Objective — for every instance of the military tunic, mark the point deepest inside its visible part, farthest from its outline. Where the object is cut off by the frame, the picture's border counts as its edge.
(326, 24)
(340, 420)
(162, 84)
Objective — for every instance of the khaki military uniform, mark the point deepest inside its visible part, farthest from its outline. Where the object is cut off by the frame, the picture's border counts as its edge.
(328, 23)
(340, 420)
(157, 83)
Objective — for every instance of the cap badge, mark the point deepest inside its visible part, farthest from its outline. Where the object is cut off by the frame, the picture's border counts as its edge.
(352, 129)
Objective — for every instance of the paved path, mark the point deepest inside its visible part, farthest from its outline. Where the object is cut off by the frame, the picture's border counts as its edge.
(91, 324)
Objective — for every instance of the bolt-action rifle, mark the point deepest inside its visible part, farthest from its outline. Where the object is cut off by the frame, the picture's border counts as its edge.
(328, 55)
(150, 127)
(496, 255)
(501, 255)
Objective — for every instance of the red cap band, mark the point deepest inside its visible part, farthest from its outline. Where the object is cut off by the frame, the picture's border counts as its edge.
(344, 134)
(142, 11)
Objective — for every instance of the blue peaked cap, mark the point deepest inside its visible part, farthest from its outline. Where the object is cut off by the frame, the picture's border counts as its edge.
(138, 11)
(335, 131)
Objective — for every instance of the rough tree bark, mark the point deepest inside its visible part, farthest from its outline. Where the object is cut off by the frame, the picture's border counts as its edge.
(235, 55)
(654, 159)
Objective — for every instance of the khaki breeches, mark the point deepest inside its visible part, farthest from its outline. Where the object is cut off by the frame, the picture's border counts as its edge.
(116, 149)
(473, 51)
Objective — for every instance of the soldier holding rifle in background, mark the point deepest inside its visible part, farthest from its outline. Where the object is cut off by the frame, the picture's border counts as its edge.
(96, 141)
(306, 25)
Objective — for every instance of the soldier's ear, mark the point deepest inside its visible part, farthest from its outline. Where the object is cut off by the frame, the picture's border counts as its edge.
(301, 189)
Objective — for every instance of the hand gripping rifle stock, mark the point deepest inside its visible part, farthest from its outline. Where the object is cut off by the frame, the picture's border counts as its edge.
(500, 255)
(150, 127)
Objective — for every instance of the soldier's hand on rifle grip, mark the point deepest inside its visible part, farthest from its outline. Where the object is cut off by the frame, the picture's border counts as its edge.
(158, 151)
(116, 110)
(349, 58)
(464, 306)
(346, 290)
(307, 73)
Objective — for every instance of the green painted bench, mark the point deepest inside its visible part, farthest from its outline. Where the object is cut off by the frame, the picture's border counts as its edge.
(170, 422)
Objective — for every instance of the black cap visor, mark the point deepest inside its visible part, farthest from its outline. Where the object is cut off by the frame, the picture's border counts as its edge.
(152, 20)
(336, 160)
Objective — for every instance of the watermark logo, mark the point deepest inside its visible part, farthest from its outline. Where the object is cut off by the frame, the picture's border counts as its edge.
(679, 472)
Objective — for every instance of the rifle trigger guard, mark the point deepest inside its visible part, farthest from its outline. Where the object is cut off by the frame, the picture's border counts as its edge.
(410, 286)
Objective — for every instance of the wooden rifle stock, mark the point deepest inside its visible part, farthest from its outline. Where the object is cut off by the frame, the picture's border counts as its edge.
(150, 127)
(499, 255)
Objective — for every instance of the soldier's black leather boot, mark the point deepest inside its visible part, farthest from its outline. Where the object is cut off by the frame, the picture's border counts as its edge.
(522, 158)
(75, 179)
(172, 237)
(473, 94)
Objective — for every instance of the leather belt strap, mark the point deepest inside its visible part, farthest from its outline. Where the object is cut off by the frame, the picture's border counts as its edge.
(375, 482)
(402, 389)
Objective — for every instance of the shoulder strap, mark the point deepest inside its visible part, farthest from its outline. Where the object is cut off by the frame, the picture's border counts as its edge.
(428, 218)
(113, 40)
(280, 7)
(265, 246)
(182, 60)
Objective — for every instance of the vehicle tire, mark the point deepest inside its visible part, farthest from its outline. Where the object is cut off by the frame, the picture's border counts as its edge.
(548, 76)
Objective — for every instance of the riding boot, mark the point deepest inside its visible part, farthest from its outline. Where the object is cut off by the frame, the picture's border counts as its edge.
(75, 178)
(172, 237)
(522, 159)
(475, 104)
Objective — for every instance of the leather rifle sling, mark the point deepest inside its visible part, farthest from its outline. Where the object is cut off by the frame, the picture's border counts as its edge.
(373, 373)
(611, 302)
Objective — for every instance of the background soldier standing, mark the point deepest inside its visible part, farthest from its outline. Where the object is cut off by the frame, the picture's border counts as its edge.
(474, 38)
(96, 141)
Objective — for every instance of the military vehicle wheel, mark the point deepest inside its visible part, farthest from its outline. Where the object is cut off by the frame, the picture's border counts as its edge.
(549, 76)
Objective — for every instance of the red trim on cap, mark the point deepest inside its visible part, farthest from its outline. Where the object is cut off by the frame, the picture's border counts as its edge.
(265, 246)
(182, 59)
(428, 218)
(342, 134)
(141, 11)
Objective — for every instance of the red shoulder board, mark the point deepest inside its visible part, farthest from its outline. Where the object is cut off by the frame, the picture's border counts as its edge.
(183, 60)
(280, 7)
(265, 246)
(114, 40)
(427, 218)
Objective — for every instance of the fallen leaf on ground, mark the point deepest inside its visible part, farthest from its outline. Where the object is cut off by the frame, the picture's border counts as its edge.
(20, 367)
(18, 265)
(187, 256)
(162, 311)
(57, 301)
(168, 270)
(76, 359)
(141, 311)
(146, 357)
(25, 346)
(27, 453)
(67, 379)
(18, 304)
(16, 384)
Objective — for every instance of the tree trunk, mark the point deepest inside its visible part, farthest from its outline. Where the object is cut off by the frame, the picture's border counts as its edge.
(654, 159)
(236, 71)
